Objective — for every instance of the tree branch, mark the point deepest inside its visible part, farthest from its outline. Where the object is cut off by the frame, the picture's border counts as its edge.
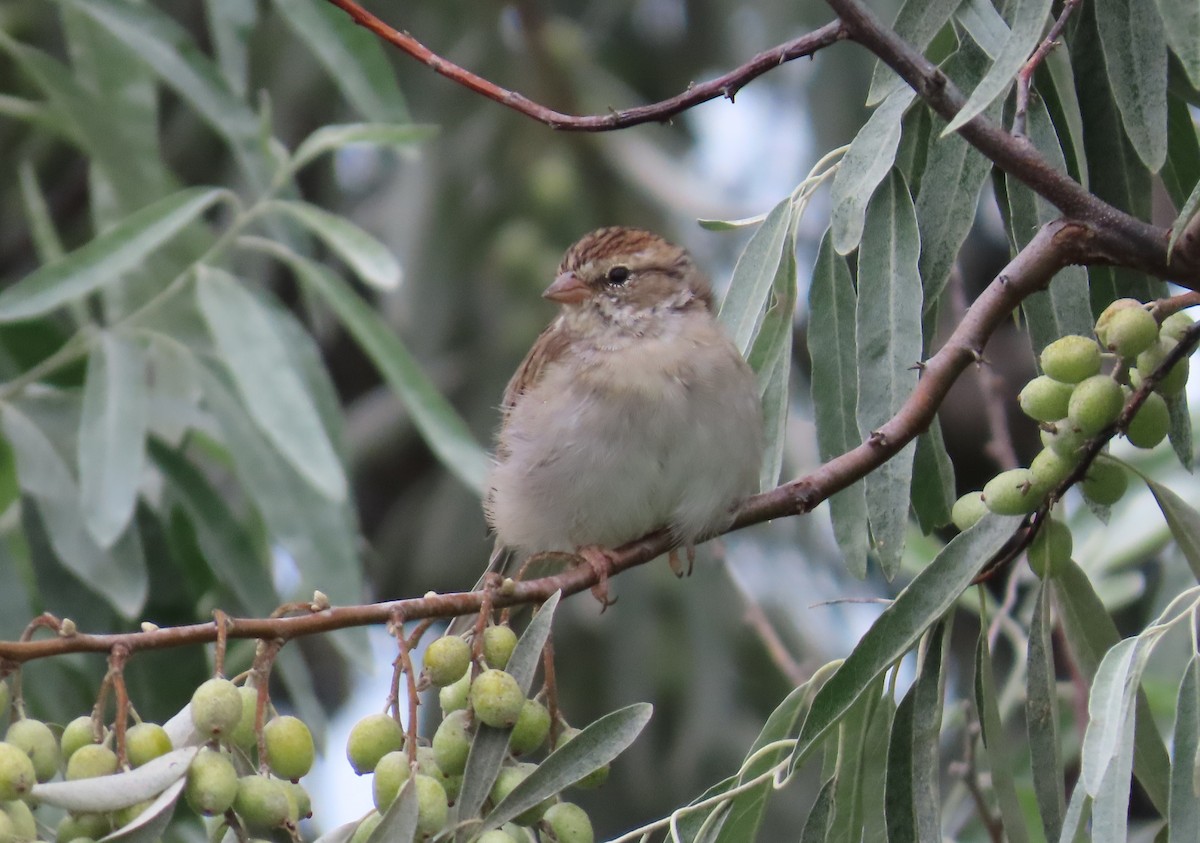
(1055, 246)
(723, 86)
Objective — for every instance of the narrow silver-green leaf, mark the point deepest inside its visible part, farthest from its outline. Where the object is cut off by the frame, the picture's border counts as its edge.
(121, 790)
(1185, 216)
(1135, 53)
(399, 823)
(41, 224)
(117, 574)
(899, 802)
(1182, 170)
(1110, 805)
(848, 799)
(916, 22)
(527, 655)
(1062, 76)
(984, 24)
(754, 276)
(1029, 19)
(353, 57)
(333, 137)
(1183, 815)
(231, 23)
(929, 692)
(865, 164)
(816, 826)
(246, 338)
(1181, 24)
(996, 744)
(1041, 718)
(370, 259)
(112, 436)
(1180, 431)
(439, 423)
(896, 630)
(595, 746)
(104, 259)
(1183, 520)
(151, 824)
(888, 342)
(932, 480)
(831, 308)
(1079, 811)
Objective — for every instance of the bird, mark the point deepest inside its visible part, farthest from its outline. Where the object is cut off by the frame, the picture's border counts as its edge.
(632, 412)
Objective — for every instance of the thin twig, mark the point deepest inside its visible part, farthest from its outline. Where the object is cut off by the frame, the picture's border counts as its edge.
(1025, 74)
(116, 670)
(405, 663)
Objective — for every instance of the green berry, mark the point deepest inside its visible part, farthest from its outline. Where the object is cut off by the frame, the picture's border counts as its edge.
(496, 698)
(1045, 399)
(1153, 357)
(145, 742)
(290, 750)
(1013, 492)
(1149, 425)
(243, 736)
(129, 813)
(531, 729)
(1095, 404)
(1071, 359)
(81, 827)
(39, 744)
(1051, 546)
(391, 773)
(452, 742)
(24, 825)
(91, 761)
(212, 783)
(1175, 326)
(506, 782)
(8, 829)
(498, 645)
(446, 659)
(432, 807)
(372, 738)
(453, 697)
(216, 708)
(1049, 468)
(593, 779)
(366, 827)
(299, 802)
(569, 823)
(1128, 331)
(76, 734)
(1063, 438)
(261, 802)
(1105, 482)
(968, 510)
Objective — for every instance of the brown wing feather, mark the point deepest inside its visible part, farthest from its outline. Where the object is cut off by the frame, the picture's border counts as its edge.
(550, 346)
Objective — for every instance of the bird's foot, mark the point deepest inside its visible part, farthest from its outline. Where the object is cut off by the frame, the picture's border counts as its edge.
(689, 551)
(600, 561)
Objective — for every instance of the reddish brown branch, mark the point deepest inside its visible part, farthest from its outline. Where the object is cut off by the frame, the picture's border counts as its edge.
(723, 86)
(1025, 74)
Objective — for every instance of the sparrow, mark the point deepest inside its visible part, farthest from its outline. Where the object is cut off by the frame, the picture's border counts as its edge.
(633, 411)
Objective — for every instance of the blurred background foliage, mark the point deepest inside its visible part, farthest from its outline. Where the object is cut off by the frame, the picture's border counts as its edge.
(106, 107)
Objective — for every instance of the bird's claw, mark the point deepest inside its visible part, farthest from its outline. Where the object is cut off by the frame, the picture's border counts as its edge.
(600, 561)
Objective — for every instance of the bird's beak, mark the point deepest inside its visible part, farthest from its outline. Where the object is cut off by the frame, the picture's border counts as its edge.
(568, 288)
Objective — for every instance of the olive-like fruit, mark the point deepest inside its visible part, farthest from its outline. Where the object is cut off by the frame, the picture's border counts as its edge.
(432, 806)
(82, 827)
(75, 734)
(1071, 359)
(569, 823)
(1051, 546)
(506, 782)
(216, 708)
(1064, 438)
(391, 773)
(452, 743)
(145, 742)
(1128, 331)
(290, 749)
(454, 696)
(1013, 492)
(446, 659)
(531, 729)
(1049, 468)
(968, 510)
(1175, 326)
(243, 736)
(261, 802)
(593, 779)
(1150, 423)
(39, 744)
(212, 783)
(1045, 399)
(372, 738)
(366, 827)
(91, 761)
(498, 645)
(496, 698)
(1105, 482)
(1095, 404)
(1176, 377)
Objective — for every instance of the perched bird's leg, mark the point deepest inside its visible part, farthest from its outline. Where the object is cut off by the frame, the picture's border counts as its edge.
(600, 561)
(689, 551)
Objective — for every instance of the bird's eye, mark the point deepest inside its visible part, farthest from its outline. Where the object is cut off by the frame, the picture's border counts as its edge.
(618, 275)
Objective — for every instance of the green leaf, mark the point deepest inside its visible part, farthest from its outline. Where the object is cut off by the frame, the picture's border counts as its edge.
(888, 341)
(1079, 811)
(353, 57)
(754, 277)
(399, 823)
(490, 745)
(916, 22)
(248, 342)
(932, 480)
(228, 547)
(1041, 718)
(111, 793)
(984, 24)
(848, 800)
(595, 746)
(1135, 52)
(104, 259)
(370, 259)
(1183, 815)
(1182, 170)
(333, 137)
(112, 433)
(995, 742)
(816, 827)
(41, 224)
(831, 307)
(1029, 19)
(438, 422)
(1057, 87)
(1109, 733)
(117, 574)
(231, 23)
(865, 164)
(1180, 431)
(928, 701)
(1185, 216)
(1091, 633)
(919, 605)
(1181, 27)
(1182, 519)
(899, 803)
